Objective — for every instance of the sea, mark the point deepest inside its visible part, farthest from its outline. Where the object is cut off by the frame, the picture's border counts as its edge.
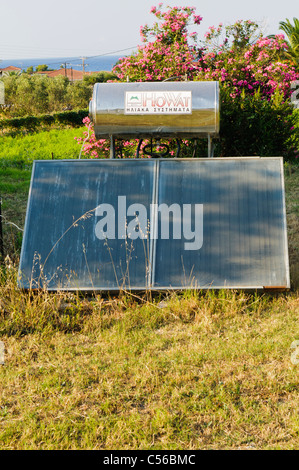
(91, 64)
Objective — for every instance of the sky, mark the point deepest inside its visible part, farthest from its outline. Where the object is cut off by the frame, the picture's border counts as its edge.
(76, 28)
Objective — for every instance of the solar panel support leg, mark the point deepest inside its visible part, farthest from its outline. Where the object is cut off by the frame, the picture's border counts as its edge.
(210, 147)
(112, 147)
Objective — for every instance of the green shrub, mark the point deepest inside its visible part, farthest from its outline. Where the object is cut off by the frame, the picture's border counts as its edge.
(30, 123)
(71, 118)
(250, 125)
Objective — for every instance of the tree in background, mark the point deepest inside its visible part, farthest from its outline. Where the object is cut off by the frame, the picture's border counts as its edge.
(42, 68)
(38, 94)
(237, 36)
(57, 88)
(100, 77)
(79, 94)
(168, 49)
(246, 62)
(11, 73)
(292, 33)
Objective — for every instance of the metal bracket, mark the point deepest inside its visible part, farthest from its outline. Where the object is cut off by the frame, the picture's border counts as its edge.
(148, 149)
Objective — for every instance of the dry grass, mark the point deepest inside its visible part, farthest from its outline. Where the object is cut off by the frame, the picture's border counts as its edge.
(197, 371)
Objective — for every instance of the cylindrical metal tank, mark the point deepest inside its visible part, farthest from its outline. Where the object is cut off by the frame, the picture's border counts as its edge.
(155, 109)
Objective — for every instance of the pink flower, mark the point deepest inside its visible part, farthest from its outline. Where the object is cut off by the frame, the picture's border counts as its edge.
(197, 19)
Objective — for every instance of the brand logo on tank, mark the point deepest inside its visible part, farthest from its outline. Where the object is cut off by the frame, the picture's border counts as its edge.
(158, 102)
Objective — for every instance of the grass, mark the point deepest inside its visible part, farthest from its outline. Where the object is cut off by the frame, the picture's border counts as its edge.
(192, 370)
(206, 371)
(22, 150)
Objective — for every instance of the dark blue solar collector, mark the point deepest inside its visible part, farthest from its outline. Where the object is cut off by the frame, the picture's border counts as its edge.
(160, 224)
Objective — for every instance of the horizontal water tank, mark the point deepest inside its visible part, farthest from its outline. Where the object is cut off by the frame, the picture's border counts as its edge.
(155, 109)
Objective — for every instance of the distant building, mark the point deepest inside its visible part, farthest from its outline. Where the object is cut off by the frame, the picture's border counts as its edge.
(71, 74)
(10, 68)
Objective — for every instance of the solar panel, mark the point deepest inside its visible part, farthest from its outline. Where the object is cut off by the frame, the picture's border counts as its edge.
(141, 224)
(240, 240)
